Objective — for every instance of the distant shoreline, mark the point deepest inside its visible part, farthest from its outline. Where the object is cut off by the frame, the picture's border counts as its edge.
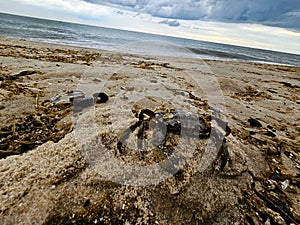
(72, 34)
(68, 46)
(95, 26)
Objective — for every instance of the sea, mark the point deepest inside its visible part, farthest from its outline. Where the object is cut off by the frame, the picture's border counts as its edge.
(73, 34)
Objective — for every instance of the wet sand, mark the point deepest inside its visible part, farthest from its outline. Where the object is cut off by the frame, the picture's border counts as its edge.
(51, 170)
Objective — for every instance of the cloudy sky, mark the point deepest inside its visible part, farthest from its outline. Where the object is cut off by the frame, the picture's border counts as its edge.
(267, 24)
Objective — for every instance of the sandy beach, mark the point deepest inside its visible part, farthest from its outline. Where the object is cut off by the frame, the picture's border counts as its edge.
(244, 168)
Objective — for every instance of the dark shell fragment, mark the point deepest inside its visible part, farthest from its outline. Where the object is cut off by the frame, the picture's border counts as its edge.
(270, 134)
(165, 123)
(254, 122)
(100, 97)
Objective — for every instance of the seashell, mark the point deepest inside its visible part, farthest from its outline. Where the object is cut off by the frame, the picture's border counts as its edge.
(254, 122)
(100, 97)
(76, 95)
(61, 101)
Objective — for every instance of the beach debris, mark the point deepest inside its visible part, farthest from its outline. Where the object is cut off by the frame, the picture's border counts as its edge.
(67, 99)
(151, 65)
(219, 140)
(25, 73)
(285, 184)
(18, 75)
(270, 134)
(96, 80)
(254, 122)
(164, 123)
(286, 84)
(87, 203)
(251, 93)
(100, 97)
(60, 100)
(79, 100)
(271, 128)
(27, 132)
(274, 204)
(76, 95)
(224, 156)
(13, 85)
(57, 55)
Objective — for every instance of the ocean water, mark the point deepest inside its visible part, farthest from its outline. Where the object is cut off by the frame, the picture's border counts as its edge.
(133, 42)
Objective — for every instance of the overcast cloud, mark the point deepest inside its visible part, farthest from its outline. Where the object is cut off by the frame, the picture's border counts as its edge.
(281, 13)
(237, 22)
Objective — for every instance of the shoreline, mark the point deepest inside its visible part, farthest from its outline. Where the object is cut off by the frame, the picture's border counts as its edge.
(153, 55)
(48, 177)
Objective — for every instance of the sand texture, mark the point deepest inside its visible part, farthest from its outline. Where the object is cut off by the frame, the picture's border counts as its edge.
(68, 161)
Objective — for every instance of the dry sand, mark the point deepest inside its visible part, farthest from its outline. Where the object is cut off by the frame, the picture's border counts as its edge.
(52, 171)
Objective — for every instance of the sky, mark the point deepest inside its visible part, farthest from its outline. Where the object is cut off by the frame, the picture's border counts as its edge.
(266, 24)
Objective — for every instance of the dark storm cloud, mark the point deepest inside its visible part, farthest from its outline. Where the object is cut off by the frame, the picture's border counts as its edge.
(281, 13)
